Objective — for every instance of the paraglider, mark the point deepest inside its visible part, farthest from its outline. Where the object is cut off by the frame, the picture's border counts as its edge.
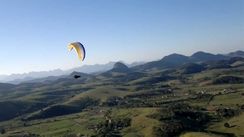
(76, 76)
(79, 48)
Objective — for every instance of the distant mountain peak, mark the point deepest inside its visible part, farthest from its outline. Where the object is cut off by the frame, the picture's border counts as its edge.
(238, 53)
(201, 54)
(120, 67)
(175, 58)
(174, 55)
(204, 56)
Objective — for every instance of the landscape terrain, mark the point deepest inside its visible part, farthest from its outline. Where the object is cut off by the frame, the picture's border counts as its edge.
(201, 95)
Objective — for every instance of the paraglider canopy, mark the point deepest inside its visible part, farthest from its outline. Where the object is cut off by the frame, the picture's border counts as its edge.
(79, 48)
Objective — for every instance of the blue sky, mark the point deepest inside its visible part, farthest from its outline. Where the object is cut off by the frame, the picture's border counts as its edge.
(34, 33)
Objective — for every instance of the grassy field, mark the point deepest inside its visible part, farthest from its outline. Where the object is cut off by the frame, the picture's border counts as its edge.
(237, 126)
(141, 124)
(199, 134)
(231, 99)
(101, 93)
(79, 123)
(56, 127)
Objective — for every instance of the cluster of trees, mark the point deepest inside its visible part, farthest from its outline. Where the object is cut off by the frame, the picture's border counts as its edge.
(12, 108)
(31, 135)
(139, 99)
(168, 129)
(113, 101)
(111, 127)
(129, 102)
(227, 112)
(3, 131)
(177, 118)
(228, 80)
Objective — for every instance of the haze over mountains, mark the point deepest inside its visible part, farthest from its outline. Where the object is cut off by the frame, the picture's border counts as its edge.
(52, 74)
(171, 60)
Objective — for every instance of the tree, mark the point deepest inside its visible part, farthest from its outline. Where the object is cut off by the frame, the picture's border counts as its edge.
(3, 131)
(227, 125)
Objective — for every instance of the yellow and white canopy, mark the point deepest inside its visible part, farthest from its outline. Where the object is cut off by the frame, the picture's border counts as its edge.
(79, 48)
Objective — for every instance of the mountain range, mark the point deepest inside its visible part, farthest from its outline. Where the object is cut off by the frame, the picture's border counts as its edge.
(174, 60)
(170, 61)
(57, 73)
